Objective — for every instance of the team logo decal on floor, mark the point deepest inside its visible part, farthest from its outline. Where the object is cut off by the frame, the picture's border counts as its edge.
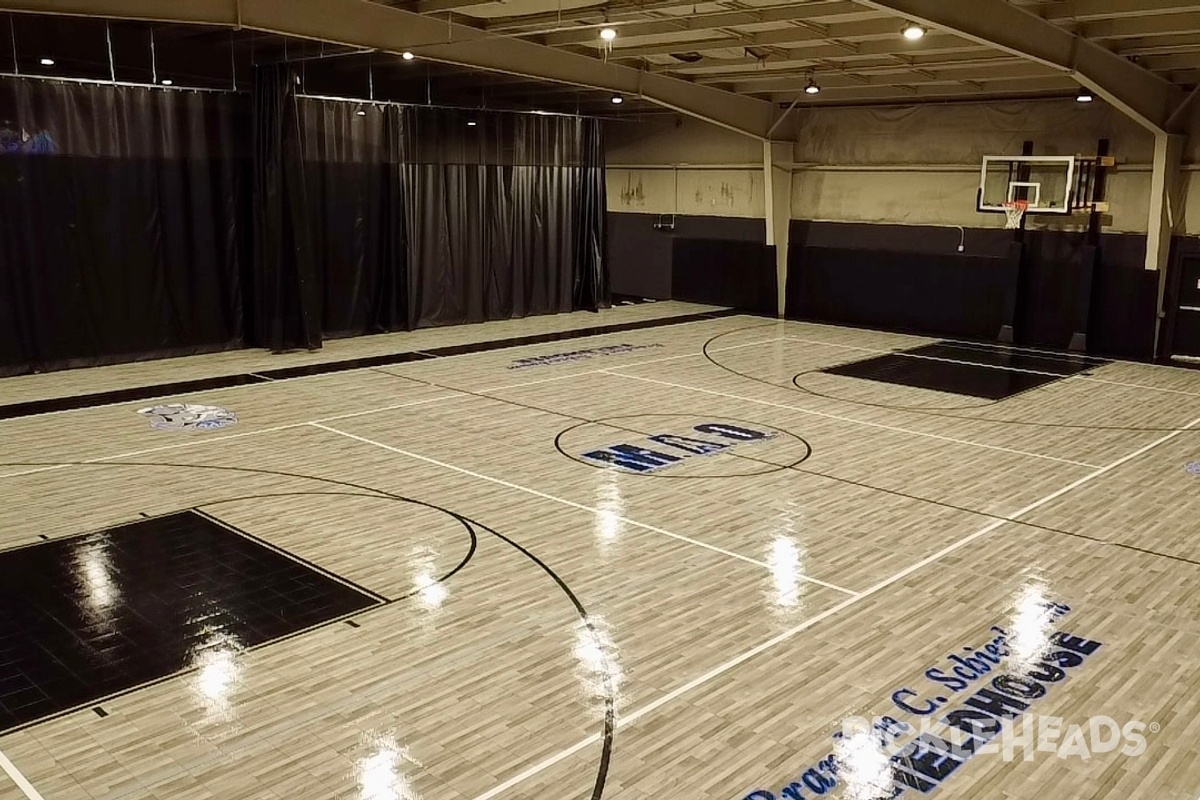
(682, 446)
(187, 416)
(1194, 467)
(580, 355)
(1002, 680)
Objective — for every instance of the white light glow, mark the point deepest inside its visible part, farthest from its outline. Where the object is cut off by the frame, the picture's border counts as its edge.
(914, 32)
(381, 775)
(408, 56)
(1030, 629)
(784, 561)
(47, 62)
(608, 34)
(866, 768)
(610, 504)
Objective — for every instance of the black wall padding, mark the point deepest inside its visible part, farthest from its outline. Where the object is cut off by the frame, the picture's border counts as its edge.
(1122, 317)
(944, 294)
(640, 255)
(724, 272)
(119, 235)
(1057, 277)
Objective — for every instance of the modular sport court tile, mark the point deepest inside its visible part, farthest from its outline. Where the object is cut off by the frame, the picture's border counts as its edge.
(664, 552)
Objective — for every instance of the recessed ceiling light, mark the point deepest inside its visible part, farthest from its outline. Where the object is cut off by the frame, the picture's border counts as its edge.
(471, 123)
(167, 82)
(1085, 95)
(608, 34)
(407, 56)
(361, 112)
(47, 62)
(913, 31)
(617, 99)
(812, 87)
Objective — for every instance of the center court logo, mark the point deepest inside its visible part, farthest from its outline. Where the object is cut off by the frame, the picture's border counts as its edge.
(664, 450)
(682, 446)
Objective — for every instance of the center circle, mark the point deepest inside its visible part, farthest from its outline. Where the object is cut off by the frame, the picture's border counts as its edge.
(682, 446)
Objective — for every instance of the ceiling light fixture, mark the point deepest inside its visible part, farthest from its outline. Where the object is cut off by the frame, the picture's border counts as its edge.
(167, 82)
(407, 55)
(1085, 95)
(617, 99)
(471, 123)
(912, 31)
(608, 34)
(47, 62)
(362, 112)
(812, 87)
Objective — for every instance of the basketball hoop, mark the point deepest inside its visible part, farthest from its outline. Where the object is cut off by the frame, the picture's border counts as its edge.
(1014, 211)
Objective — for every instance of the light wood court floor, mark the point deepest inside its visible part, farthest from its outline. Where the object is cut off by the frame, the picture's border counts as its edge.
(560, 606)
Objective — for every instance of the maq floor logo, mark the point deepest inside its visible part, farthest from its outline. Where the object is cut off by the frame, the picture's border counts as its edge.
(653, 444)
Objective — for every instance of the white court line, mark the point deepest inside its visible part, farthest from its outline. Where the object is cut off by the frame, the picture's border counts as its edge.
(216, 439)
(982, 345)
(20, 780)
(357, 369)
(571, 503)
(784, 636)
(458, 395)
(996, 366)
(892, 428)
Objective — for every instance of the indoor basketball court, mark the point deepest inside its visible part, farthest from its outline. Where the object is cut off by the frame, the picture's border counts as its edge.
(391, 413)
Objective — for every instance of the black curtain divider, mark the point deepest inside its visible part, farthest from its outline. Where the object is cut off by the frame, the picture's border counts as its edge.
(358, 218)
(501, 215)
(285, 303)
(119, 235)
(430, 216)
(137, 222)
(591, 277)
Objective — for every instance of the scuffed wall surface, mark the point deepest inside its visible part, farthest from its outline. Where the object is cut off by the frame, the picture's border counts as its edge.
(919, 165)
(699, 192)
(677, 165)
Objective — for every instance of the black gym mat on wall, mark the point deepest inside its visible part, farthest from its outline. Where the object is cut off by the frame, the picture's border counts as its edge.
(940, 293)
(724, 272)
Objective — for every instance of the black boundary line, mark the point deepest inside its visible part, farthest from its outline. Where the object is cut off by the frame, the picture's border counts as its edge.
(943, 504)
(608, 423)
(164, 390)
(610, 690)
(904, 409)
(378, 598)
(802, 470)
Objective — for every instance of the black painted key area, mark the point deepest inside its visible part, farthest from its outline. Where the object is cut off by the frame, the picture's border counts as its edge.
(970, 380)
(96, 615)
(1008, 357)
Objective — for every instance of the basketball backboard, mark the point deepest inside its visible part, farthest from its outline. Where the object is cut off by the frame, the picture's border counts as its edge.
(1045, 182)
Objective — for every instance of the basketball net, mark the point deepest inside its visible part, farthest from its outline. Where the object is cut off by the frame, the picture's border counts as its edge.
(1014, 211)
